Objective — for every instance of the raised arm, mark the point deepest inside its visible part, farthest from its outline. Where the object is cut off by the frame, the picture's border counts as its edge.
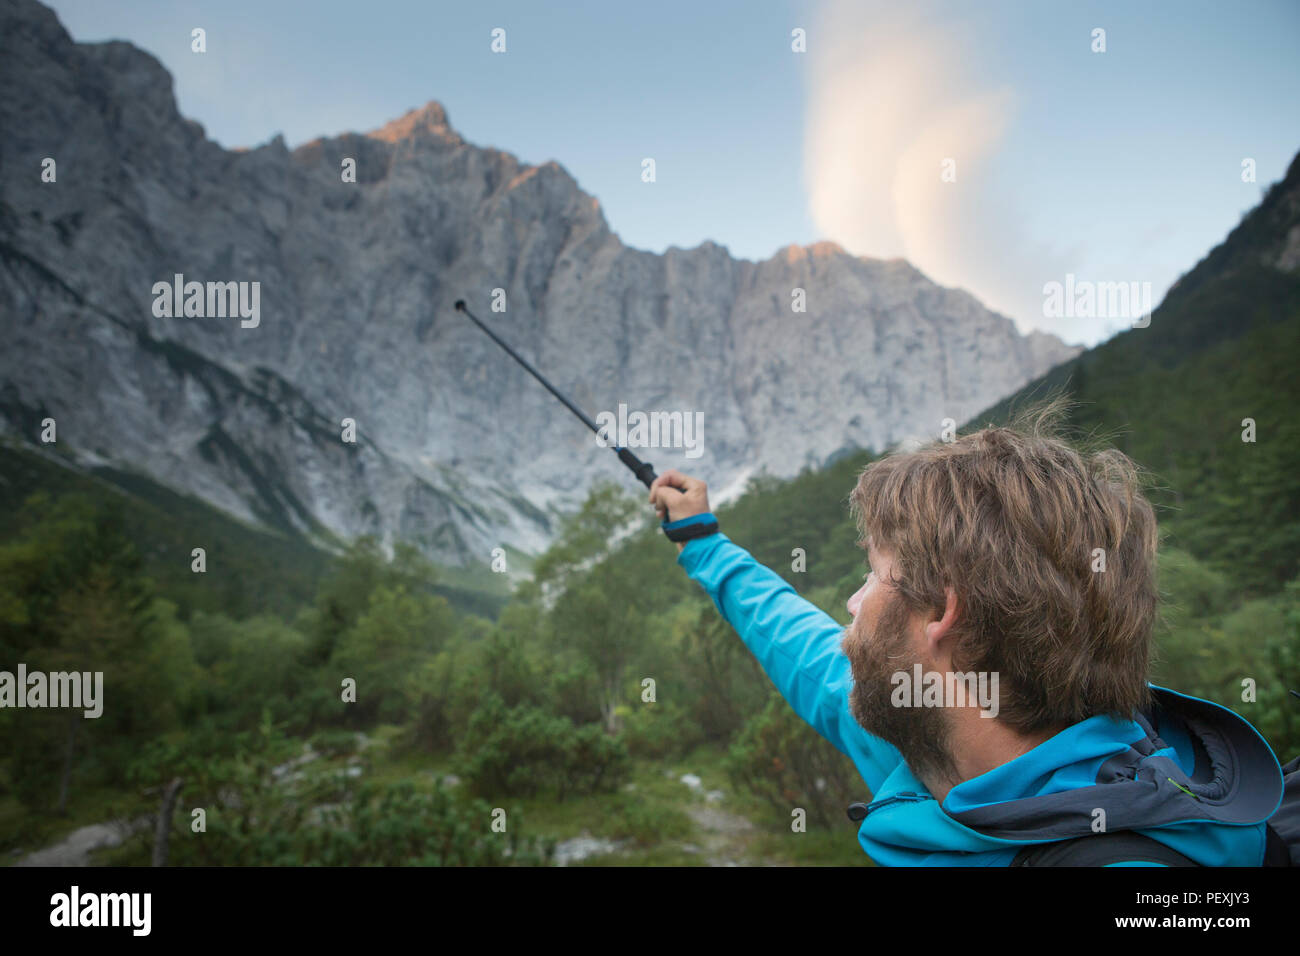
(797, 644)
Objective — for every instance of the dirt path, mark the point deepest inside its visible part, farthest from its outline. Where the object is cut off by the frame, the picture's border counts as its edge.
(76, 847)
(725, 836)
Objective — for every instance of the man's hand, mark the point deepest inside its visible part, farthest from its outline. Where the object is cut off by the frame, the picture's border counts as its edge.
(677, 496)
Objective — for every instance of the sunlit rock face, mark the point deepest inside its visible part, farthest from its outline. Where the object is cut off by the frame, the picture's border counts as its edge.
(456, 448)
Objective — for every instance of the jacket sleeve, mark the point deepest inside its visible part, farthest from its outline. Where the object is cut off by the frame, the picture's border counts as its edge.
(797, 644)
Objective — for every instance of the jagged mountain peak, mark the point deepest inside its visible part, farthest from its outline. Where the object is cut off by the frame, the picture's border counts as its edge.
(456, 449)
(426, 122)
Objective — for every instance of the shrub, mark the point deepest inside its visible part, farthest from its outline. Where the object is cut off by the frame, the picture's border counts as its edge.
(635, 817)
(781, 759)
(524, 751)
(659, 730)
(335, 743)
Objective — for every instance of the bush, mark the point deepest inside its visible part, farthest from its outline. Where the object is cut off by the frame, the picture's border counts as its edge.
(397, 825)
(647, 823)
(780, 758)
(254, 818)
(659, 730)
(335, 743)
(525, 751)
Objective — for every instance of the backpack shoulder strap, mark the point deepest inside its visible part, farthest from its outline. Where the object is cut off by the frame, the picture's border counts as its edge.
(1282, 847)
(1276, 850)
(1101, 849)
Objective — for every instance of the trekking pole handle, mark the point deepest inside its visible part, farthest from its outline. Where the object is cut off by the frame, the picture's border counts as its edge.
(643, 470)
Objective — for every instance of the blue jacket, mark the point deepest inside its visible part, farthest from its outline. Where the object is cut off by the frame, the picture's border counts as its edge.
(1188, 773)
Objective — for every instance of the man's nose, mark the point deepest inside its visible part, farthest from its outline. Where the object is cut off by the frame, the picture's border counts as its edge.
(855, 602)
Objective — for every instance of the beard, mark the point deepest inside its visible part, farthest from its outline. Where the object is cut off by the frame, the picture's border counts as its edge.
(921, 734)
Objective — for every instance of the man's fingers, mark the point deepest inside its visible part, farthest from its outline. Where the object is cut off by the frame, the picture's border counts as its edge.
(665, 496)
(666, 481)
(678, 496)
(673, 479)
(659, 482)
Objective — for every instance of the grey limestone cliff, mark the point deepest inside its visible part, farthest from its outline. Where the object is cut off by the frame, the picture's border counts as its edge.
(457, 449)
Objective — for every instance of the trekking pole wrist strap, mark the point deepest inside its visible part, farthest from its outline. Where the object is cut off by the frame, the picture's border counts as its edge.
(696, 526)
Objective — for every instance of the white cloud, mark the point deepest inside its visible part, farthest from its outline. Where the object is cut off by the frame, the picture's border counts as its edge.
(893, 92)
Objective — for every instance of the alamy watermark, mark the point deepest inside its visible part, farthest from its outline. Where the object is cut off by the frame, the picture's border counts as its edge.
(1082, 299)
(75, 689)
(214, 300)
(951, 689)
(75, 908)
(651, 430)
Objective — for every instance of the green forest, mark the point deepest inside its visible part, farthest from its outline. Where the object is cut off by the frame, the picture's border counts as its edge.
(604, 699)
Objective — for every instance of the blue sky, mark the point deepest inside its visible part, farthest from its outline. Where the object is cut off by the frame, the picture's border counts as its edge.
(1123, 165)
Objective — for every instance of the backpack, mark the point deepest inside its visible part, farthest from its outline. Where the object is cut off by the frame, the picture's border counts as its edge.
(1281, 847)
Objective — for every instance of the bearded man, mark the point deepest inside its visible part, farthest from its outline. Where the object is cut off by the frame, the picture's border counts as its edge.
(1008, 556)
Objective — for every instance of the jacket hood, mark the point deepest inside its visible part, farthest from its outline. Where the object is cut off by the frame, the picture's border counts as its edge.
(1186, 772)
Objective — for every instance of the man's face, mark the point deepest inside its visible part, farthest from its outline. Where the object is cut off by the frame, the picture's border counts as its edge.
(883, 639)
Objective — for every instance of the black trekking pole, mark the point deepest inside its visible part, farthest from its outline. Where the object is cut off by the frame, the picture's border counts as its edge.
(642, 469)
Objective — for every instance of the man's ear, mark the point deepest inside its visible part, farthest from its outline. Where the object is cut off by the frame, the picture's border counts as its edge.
(940, 628)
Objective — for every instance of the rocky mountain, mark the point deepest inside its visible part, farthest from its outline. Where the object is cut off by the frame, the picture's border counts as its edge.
(107, 194)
